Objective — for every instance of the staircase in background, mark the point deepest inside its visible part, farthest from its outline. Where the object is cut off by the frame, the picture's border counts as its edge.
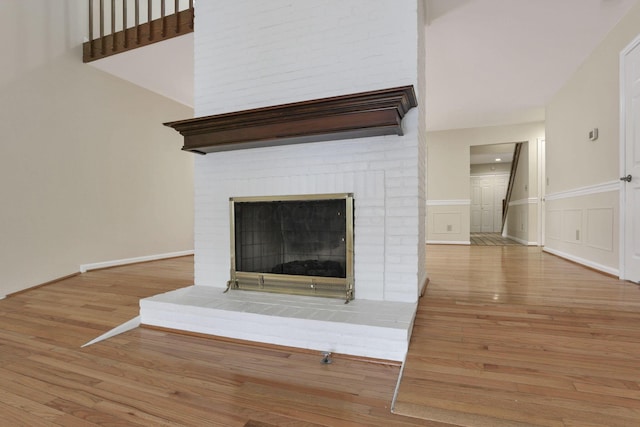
(122, 25)
(512, 177)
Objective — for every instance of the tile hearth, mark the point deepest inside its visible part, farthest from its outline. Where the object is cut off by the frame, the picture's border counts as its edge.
(376, 329)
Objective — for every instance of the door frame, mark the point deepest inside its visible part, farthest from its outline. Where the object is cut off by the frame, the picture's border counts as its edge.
(623, 154)
(542, 189)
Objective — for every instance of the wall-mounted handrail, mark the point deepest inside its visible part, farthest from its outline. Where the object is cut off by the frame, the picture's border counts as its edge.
(170, 21)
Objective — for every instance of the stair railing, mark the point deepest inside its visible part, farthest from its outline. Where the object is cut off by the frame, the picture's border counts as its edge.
(512, 178)
(126, 35)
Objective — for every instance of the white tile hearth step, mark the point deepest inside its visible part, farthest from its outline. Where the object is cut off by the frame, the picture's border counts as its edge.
(376, 329)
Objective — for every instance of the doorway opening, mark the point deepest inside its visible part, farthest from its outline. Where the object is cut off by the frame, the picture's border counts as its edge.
(489, 167)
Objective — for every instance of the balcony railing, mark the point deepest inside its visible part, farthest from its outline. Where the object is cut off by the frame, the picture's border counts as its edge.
(120, 25)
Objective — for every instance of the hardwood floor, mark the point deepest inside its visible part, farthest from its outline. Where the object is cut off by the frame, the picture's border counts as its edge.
(505, 336)
(148, 377)
(512, 336)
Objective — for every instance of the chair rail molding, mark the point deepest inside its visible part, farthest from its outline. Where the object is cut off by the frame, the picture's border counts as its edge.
(529, 201)
(604, 187)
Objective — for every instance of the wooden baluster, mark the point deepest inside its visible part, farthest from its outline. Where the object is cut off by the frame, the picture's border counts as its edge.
(106, 47)
(103, 42)
(91, 50)
(137, 21)
(124, 23)
(163, 18)
(176, 4)
(149, 16)
(113, 25)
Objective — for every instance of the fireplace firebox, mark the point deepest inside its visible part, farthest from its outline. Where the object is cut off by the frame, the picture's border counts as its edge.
(299, 245)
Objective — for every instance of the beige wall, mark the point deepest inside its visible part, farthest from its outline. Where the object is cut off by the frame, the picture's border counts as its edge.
(590, 99)
(490, 168)
(448, 155)
(584, 197)
(448, 172)
(87, 171)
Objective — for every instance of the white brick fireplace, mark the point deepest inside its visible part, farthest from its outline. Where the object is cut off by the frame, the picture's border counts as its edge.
(253, 54)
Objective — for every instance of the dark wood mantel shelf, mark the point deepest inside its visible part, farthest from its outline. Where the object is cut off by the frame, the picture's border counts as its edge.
(356, 115)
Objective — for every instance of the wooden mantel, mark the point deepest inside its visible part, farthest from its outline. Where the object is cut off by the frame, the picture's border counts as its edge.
(365, 114)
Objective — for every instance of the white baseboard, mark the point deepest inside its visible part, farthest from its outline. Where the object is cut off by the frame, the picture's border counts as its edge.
(521, 241)
(585, 262)
(105, 264)
(448, 242)
(3, 296)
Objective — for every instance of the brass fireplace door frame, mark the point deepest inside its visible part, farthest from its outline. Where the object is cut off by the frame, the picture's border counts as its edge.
(331, 287)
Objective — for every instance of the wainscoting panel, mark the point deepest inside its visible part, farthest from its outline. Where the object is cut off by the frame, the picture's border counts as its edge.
(554, 224)
(583, 225)
(572, 225)
(448, 223)
(600, 228)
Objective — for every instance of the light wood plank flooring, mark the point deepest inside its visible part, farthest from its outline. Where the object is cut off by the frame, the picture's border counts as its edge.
(505, 336)
(148, 377)
(512, 336)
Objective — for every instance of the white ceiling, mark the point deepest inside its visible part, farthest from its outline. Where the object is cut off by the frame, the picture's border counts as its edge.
(483, 154)
(494, 62)
(165, 67)
(489, 62)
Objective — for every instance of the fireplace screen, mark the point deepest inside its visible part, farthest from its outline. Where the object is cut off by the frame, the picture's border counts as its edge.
(293, 244)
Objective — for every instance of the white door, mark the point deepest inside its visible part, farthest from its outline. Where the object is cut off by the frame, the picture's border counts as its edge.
(630, 93)
(542, 189)
(487, 204)
(476, 205)
(499, 193)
